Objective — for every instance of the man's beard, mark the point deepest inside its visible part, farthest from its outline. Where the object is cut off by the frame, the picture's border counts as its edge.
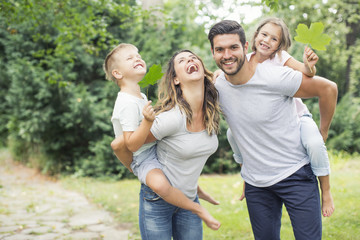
(240, 64)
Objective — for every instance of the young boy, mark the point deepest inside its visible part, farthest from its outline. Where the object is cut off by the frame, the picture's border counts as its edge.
(124, 66)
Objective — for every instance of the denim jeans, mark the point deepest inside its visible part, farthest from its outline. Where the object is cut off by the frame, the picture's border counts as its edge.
(159, 220)
(315, 146)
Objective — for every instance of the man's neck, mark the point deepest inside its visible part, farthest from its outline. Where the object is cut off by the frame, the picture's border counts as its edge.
(244, 75)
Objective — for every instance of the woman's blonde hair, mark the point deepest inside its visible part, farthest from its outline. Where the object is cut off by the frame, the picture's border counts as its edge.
(170, 95)
(285, 39)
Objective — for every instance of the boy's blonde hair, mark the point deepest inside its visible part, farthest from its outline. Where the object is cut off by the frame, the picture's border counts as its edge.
(285, 39)
(110, 62)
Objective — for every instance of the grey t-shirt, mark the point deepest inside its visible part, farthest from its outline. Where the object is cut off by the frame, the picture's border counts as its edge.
(182, 153)
(262, 117)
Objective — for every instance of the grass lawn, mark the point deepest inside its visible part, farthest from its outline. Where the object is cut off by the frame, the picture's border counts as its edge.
(121, 198)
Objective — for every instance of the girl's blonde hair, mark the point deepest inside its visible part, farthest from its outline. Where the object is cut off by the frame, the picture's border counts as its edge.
(285, 39)
(110, 62)
(170, 95)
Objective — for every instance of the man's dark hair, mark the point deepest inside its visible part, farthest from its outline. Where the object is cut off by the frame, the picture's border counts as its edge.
(226, 27)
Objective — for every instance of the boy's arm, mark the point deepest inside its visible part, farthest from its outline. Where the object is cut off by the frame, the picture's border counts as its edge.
(308, 68)
(135, 139)
(327, 92)
(121, 152)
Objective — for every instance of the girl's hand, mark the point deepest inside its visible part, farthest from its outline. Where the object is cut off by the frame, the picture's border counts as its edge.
(216, 74)
(310, 58)
(148, 112)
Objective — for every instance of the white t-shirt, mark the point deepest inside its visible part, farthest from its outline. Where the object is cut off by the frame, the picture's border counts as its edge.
(182, 153)
(127, 115)
(277, 60)
(263, 119)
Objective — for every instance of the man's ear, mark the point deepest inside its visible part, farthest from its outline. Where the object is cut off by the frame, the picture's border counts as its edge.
(117, 74)
(246, 46)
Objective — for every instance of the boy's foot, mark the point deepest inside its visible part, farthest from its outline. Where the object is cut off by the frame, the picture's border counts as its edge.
(327, 206)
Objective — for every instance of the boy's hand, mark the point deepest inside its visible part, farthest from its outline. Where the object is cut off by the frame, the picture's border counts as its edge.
(148, 112)
(310, 57)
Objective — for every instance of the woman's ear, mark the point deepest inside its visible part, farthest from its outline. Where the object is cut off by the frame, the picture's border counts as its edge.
(176, 81)
(117, 74)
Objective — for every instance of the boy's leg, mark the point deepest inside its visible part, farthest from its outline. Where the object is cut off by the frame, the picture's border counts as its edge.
(319, 160)
(300, 194)
(121, 152)
(159, 183)
(265, 210)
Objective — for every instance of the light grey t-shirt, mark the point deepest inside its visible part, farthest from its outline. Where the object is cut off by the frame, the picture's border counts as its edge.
(127, 116)
(182, 153)
(262, 117)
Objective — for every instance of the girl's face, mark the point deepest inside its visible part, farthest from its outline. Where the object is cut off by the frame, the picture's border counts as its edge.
(268, 39)
(188, 68)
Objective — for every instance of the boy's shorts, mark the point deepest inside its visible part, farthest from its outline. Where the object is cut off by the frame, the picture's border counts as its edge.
(143, 163)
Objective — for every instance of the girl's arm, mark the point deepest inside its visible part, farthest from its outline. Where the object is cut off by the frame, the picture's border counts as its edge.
(308, 68)
(135, 139)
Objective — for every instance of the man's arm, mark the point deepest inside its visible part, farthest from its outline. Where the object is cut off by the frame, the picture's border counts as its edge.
(327, 92)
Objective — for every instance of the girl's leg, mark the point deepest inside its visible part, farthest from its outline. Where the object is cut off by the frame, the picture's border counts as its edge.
(237, 154)
(319, 160)
(159, 183)
(187, 225)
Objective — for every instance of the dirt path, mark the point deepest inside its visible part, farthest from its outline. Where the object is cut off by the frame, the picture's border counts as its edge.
(33, 206)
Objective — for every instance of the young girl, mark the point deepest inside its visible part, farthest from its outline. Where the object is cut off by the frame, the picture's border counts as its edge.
(270, 42)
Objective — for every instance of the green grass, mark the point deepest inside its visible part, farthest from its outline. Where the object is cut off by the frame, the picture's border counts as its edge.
(121, 198)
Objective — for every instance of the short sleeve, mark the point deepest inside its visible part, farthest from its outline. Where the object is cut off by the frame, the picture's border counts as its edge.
(129, 116)
(167, 124)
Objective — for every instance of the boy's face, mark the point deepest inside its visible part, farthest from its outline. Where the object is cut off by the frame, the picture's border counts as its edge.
(130, 64)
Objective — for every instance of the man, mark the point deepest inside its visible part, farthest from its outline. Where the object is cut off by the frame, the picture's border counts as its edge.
(257, 101)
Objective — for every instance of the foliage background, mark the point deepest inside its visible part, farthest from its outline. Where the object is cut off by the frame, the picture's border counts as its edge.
(55, 105)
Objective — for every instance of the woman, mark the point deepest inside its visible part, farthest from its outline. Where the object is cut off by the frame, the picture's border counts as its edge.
(186, 125)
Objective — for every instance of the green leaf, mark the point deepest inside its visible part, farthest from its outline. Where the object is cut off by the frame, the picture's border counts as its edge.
(312, 36)
(152, 76)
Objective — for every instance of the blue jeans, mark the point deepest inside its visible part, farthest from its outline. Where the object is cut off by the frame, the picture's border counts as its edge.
(159, 220)
(314, 145)
(300, 195)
